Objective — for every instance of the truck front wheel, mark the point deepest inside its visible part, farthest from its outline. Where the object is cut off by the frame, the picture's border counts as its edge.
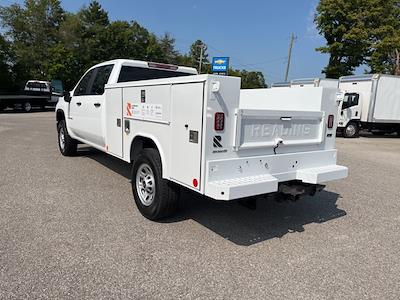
(66, 144)
(351, 130)
(155, 197)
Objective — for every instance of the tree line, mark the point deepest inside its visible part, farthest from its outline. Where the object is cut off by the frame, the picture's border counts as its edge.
(360, 32)
(40, 40)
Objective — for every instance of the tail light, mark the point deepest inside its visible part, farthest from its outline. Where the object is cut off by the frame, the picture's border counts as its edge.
(331, 120)
(219, 121)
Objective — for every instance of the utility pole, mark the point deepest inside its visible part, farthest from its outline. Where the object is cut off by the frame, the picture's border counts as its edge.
(292, 39)
(201, 57)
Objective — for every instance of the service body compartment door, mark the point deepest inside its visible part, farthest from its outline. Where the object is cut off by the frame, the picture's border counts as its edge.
(113, 117)
(186, 129)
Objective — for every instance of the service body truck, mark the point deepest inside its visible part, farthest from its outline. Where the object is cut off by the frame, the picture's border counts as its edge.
(201, 132)
(315, 82)
(371, 102)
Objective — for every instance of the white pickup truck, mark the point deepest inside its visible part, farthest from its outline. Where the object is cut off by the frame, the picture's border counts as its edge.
(201, 132)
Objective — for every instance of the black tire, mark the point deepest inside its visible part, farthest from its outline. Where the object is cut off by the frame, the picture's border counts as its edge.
(351, 130)
(27, 106)
(70, 145)
(164, 198)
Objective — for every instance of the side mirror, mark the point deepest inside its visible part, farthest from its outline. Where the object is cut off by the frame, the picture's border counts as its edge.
(67, 96)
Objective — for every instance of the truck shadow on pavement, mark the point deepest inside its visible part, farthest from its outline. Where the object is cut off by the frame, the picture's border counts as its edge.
(237, 223)
(271, 219)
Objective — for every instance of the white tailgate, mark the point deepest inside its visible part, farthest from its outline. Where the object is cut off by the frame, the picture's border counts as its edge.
(267, 128)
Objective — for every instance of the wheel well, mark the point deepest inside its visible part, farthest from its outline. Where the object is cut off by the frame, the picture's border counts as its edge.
(139, 143)
(60, 115)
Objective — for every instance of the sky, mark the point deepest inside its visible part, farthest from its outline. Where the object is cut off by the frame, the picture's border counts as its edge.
(255, 34)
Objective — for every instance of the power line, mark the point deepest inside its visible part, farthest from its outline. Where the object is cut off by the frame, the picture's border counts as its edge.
(240, 63)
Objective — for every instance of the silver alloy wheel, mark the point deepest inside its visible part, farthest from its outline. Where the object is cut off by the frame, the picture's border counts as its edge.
(27, 107)
(350, 130)
(61, 137)
(145, 184)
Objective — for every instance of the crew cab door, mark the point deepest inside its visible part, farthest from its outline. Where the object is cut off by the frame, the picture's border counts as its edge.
(87, 105)
(78, 106)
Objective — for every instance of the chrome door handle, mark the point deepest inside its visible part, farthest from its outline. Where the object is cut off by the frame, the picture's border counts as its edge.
(97, 104)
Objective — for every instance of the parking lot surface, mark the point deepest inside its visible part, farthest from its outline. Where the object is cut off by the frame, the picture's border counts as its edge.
(69, 229)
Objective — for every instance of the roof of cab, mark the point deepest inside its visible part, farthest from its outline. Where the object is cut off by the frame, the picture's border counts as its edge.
(145, 64)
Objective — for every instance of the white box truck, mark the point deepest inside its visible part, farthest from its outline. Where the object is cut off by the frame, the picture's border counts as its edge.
(315, 82)
(201, 132)
(371, 102)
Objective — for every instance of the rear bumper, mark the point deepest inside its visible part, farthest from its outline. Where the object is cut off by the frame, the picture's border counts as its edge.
(250, 176)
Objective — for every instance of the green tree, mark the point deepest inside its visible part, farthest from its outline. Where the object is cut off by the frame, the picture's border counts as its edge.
(198, 51)
(92, 34)
(249, 79)
(359, 32)
(343, 24)
(252, 79)
(169, 54)
(42, 41)
(384, 27)
(33, 31)
(6, 80)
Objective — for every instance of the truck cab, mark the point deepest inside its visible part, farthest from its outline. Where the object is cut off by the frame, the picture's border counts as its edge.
(86, 112)
(349, 113)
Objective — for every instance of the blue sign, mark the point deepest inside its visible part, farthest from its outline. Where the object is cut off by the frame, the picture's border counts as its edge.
(220, 65)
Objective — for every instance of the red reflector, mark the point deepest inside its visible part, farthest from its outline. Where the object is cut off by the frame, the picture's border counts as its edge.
(219, 121)
(195, 183)
(331, 119)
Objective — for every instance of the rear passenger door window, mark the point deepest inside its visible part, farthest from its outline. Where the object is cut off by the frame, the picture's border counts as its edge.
(102, 75)
(83, 85)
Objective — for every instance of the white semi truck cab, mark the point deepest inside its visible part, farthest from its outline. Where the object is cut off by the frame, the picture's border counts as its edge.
(201, 132)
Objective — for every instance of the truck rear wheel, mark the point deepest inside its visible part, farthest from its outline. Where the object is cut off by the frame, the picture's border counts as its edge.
(351, 130)
(66, 144)
(155, 197)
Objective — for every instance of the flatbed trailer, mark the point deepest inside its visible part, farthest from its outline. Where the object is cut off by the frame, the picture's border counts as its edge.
(29, 97)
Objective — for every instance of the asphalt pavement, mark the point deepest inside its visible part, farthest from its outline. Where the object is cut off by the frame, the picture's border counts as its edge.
(69, 229)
